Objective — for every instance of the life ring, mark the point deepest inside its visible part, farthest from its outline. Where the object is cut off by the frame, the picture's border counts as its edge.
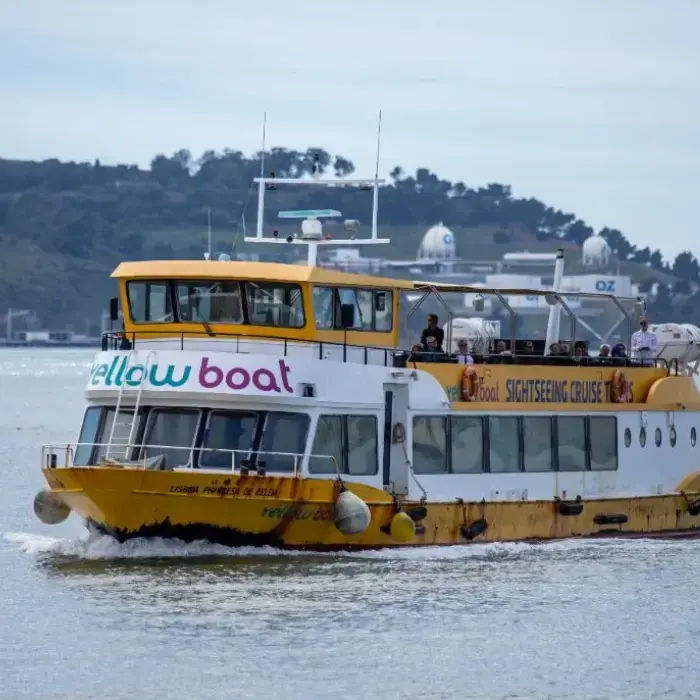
(469, 383)
(620, 391)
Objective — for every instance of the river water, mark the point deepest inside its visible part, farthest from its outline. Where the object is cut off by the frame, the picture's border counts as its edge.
(86, 617)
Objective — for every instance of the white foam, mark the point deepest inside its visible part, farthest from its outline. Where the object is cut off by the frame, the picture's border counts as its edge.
(98, 546)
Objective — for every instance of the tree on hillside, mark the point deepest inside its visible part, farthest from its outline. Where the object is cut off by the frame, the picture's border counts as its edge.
(686, 267)
(342, 166)
(578, 232)
(619, 245)
(656, 260)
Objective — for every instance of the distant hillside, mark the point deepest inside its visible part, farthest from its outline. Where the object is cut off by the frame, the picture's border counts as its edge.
(65, 226)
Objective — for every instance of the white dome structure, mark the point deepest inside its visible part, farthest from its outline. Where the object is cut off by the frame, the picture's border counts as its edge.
(438, 244)
(595, 250)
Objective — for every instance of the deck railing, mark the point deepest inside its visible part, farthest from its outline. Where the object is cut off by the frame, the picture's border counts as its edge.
(61, 456)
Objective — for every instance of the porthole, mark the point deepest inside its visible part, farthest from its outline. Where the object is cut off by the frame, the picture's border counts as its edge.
(628, 437)
(657, 437)
(672, 436)
(693, 437)
(643, 437)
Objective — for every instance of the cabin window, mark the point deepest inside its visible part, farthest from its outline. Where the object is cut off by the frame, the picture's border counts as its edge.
(149, 302)
(274, 304)
(120, 438)
(603, 432)
(373, 308)
(467, 445)
(323, 306)
(672, 436)
(170, 433)
(571, 443)
(693, 437)
(226, 431)
(628, 437)
(430, 444)
(643, 437)
(328, 442)
(361, 444)
(350, 440)
(658, 437)
(504, 448)
(88, 436)
(210, 302)
(283, 433)
(537, 444)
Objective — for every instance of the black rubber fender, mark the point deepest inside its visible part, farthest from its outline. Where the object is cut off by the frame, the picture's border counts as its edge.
(472, 530)
(610, 518)
(694, 507)
(570, 507)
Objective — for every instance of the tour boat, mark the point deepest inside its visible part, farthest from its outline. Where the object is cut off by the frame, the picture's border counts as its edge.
(251, 403)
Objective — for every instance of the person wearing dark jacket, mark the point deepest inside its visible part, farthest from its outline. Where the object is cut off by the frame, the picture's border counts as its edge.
(433, 330)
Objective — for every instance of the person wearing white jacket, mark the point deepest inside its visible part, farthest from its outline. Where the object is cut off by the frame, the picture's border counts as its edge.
(644, 343)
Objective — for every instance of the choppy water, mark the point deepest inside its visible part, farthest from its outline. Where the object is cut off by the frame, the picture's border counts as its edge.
(87, 617)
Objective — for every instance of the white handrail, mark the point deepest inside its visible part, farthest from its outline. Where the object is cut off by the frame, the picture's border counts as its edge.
(69, 451)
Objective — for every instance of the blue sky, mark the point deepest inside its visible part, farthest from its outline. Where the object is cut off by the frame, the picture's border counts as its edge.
(591, 106)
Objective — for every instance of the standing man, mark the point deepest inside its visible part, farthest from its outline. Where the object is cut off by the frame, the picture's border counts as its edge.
(644, 343)
(432, 330)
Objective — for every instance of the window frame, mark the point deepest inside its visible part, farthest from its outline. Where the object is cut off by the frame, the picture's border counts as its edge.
(195, 439)
(586, 444)
(283, 285)
(175, 283)
(201, 448)
(616, 444)
(343, 467)
(484, 442)
(174, 310)
(336, 305)
(519, 435)
(553, 445)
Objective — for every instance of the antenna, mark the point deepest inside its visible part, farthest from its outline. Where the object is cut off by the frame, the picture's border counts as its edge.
(209, 229)
(379, 135)
(375, 195)
(262, 151)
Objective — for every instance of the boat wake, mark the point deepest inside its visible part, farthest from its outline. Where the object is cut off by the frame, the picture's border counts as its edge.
(96, 546)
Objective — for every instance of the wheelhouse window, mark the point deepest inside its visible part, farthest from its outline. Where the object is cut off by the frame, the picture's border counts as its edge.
(350, 440)
(171, 434)
(537, 444)
(228, 439)
(210, 302)
(571, 443)
(373, 308)
(603, 432)
(274, 304)
(119, 437)
(504, 447)
(283, 433)
(88, 436)
(149, 302)
(430, 444)
(467, 445)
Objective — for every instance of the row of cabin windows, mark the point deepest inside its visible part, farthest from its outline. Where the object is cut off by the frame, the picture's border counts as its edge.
(256, 303)
(219, 439)
(193, 437)
(474, 444)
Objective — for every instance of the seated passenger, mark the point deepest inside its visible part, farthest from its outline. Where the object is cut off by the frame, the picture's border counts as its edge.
(463, 357)
(619, 354)
(433, 352)
(502, 348)
(432, 331)
(580, 352)
(604, 350)
(528, 348)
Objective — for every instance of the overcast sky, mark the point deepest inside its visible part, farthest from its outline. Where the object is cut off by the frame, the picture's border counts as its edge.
(590, 106)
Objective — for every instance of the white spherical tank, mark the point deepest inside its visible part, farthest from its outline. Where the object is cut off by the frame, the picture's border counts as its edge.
(678, 341)
(595, 250)
(438, 244)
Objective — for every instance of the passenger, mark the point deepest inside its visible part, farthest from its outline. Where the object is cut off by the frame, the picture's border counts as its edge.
(644, 343)
(528, 348)
(502, 348)
(580, 353)
(433, 352)
(416, 352)
(463, 357)
(619, 350)
(554, 349)
(432, 330)
(604, 350)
